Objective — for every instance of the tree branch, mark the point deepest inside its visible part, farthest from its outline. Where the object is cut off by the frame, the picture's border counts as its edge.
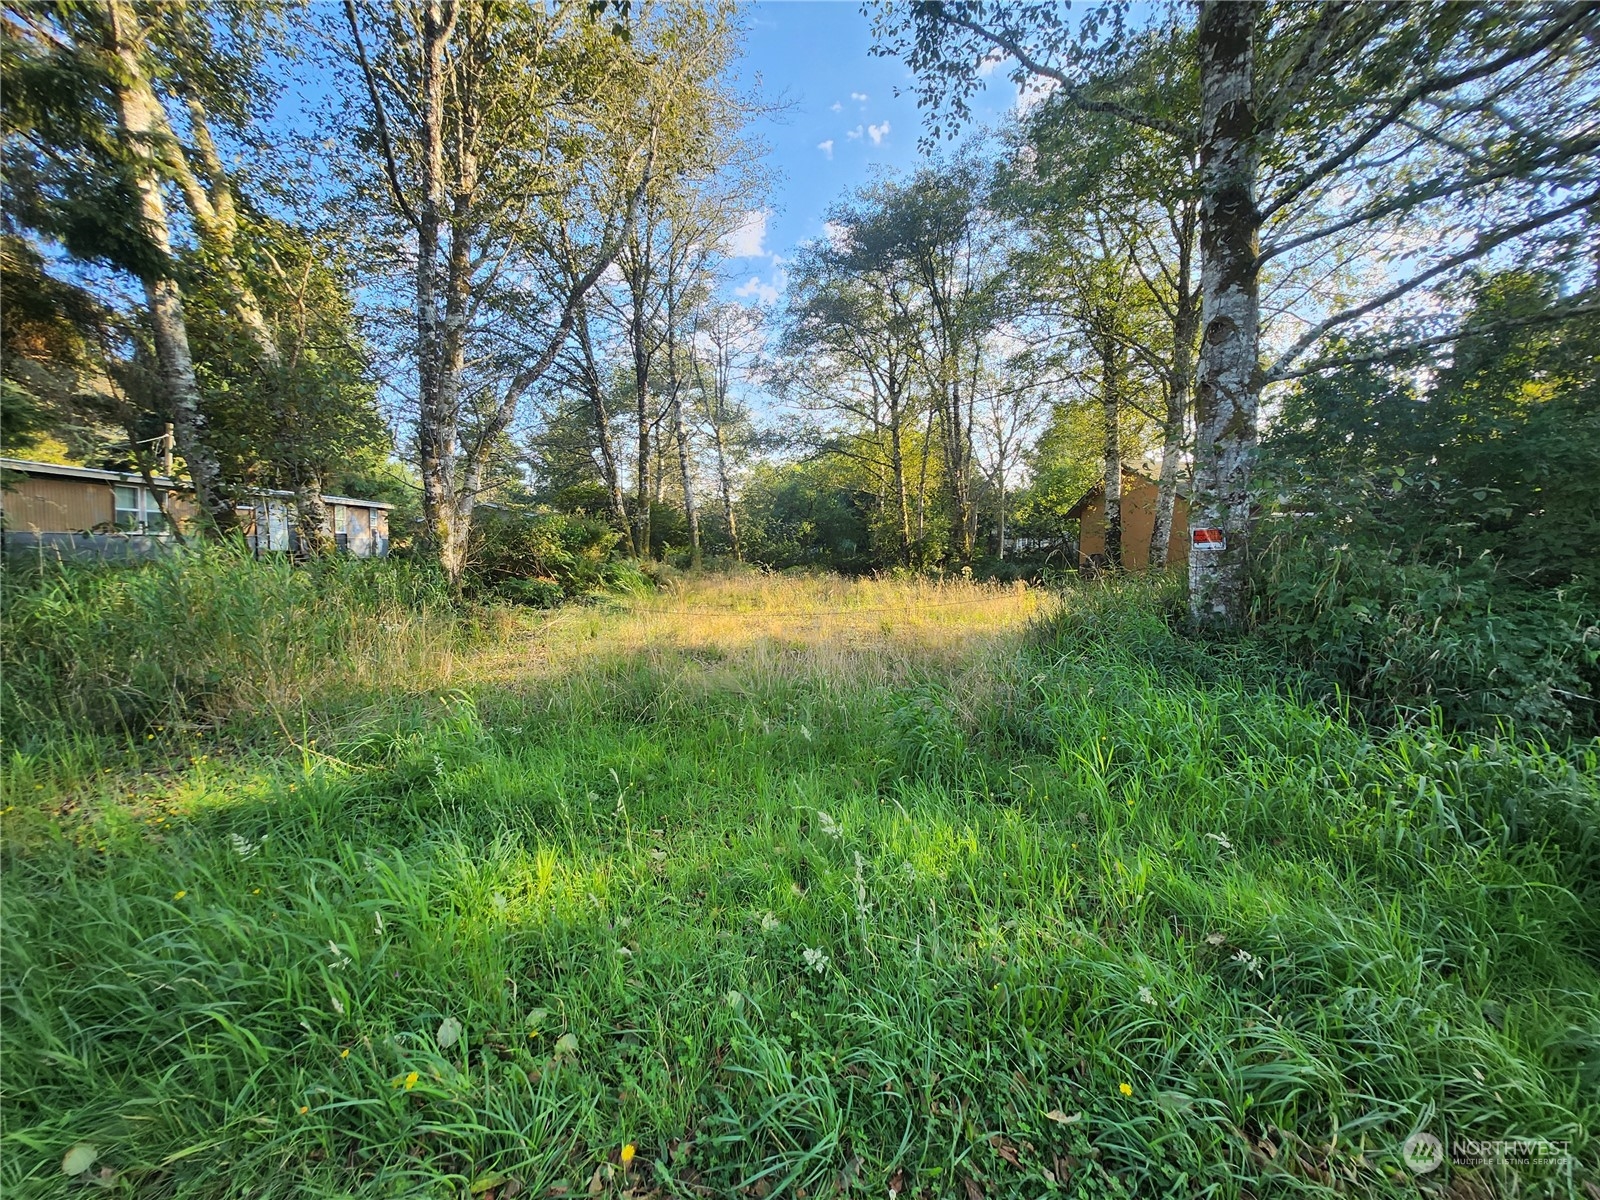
(1391, 353)
(1071, 92)
(379, 120)
(1575, 17)
(1478, 248)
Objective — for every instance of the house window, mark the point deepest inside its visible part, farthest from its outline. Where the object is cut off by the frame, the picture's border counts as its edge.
(137, 510)
(130, 508)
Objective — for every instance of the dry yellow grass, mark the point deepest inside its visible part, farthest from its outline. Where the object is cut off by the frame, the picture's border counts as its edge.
(828, 630)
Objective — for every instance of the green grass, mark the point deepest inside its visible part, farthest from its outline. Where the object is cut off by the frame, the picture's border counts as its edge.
(1236, 945)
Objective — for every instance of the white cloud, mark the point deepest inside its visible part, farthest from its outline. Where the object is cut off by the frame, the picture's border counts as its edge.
(746, 241)
(854, 133)
(989, 62)
(837, 107)
(878, 132)
(838, 235)
(753, 288)
(826, 148)
(1034, 92)
(859, 97)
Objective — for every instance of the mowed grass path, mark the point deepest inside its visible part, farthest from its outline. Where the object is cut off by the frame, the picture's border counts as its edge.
(803, 888)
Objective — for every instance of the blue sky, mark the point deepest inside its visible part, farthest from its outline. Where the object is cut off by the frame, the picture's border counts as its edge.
(840, 123)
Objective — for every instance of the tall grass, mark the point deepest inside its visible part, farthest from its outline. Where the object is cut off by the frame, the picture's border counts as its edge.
(200, 636)
(809, 887)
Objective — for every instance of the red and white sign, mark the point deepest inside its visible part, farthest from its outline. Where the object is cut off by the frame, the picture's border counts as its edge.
(1207, 539)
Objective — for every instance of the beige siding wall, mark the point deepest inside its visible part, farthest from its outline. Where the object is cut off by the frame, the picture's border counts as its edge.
(40, 505)
(1138, 523)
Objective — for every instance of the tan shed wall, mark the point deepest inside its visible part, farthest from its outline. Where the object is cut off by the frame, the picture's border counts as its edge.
(1138, 522)
(43, 505)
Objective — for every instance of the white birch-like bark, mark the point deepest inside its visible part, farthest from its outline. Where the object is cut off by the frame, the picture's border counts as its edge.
(140, 117)
(1229, 375)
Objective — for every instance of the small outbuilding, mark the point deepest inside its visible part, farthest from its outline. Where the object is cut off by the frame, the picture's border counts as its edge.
(1138, 523)
(87, 512)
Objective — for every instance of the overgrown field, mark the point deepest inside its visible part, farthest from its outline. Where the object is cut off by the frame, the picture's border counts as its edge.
(767, 886)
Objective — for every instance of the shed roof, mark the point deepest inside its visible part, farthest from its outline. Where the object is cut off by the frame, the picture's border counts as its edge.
(1128, 473)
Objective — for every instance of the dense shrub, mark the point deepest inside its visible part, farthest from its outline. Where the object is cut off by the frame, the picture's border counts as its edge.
(1397, 633)
(540, 558)
(1432, 535)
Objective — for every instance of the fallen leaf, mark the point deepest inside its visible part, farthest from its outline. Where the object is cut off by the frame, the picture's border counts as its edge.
(1216, 939)
(567, 1045)
(1005, 1150)
(448, 1035)
(595, 1184)
(1061, 1118)
(484, 1182)
(79, 1159)
(897, 1182)
(974, 1188)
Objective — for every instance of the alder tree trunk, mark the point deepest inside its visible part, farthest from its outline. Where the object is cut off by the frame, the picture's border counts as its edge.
(641, 384)
(690, 511)
(1229, 375)
(726, 484)
(311, 515)
(1110, 406)
(1180, 387)
(436, 426)
(901, 492)
(602, 423)
(138, 114)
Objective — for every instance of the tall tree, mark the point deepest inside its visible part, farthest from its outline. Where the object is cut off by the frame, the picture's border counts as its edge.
(1490, 139)
(89, 148)
(854, 347)
(515, 146)
(726, 348)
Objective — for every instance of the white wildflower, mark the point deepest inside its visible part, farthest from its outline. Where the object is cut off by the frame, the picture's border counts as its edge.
(338, 1005)
(828, 825)
(816, 960)
(1250, 962)
(1146, 996)
(769, 922)
(243, 846)
(1221, 839)
(340, 958)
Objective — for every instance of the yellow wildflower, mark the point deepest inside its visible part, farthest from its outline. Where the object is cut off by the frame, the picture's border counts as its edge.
(345, 1053)
(628, 1152)
(180, 893)
(304, 1109)
(1125, 1088)
(411, 1080)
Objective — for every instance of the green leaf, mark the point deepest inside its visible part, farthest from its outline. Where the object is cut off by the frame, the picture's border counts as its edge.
(449, 1033)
